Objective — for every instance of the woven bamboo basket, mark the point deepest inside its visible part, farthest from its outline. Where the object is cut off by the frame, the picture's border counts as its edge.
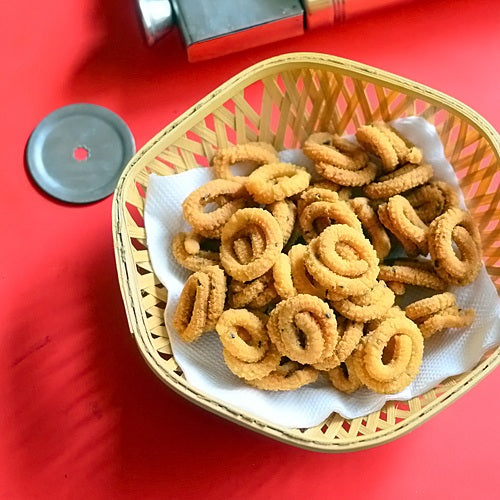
(282, 100)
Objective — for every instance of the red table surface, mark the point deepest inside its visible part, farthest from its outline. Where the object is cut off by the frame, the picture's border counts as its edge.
(81, 414)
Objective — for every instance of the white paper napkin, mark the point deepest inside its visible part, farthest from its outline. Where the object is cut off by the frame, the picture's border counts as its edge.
(449, 353)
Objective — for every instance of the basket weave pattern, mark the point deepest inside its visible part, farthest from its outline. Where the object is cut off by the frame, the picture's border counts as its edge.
(282, 101)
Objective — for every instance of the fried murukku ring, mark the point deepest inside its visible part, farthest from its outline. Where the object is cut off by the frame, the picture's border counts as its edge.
(397, 288)
(276, 181)
(373, 305)
(302, 280)
(430, 305)
(345, 177)
(210, 224)
(282, 275)
(451, 317)
(249, 244)
(241, 294)
(411, 276)
(338, 211)
(259, 153)
(343, 191)
(307, 328)
(268, 295)
(341, 282)
(410, 247)
(333, 149)
(389, 376)
(344, 378)
(193, 262)
(243, 334)
(190, 315)
(386, 143)
(217, 295)
(256, 370)
(404, 178)
(286, 377)
(350, 334)
(432, 199)
(455, 226)
(273, 243)
(285, 212)
(371, 224)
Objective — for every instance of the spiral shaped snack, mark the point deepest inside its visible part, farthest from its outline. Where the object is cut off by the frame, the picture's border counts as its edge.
(373, 305)
(194, 261)
(344, 378)
(432, 200)
(332, 149)
(386, 143)
(325, 212)
(282, 274)
(276, 181)
(242, 294)
(371, 224)
(411, 276)
(303, 328)
(285, 212)
(345, 177)
(403, 179)
(210, 224)
(200, 304)
(389, 357)
(288, 376)
(302, 279)
(344, 277)
(263, 262)
(260, 153)
(455, 226)
(437, 313)
(399, 217)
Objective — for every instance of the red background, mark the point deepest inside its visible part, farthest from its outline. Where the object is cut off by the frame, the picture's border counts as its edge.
(81, 415)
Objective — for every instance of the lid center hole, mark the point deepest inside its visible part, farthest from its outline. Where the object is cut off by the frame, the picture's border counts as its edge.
(81, 153)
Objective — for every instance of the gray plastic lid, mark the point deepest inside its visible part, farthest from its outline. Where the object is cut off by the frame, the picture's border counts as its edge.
(77, 153)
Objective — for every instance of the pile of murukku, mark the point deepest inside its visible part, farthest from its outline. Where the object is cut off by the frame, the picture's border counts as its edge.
(302, 278)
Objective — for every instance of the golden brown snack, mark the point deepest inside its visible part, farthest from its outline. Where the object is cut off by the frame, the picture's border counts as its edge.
(430, 305)
(455, 226)
(345, 177)
(192, 261)
(371, 223)
(286, 377)
(256, 370)
(285, 212)
(259, 153)
(243, 334)
(451, 317)
(262, 263)
(332, 149)
(210, 224)
(276, 181)
(282, 274)
(302, 280)
(404, 178)
(336, 274)
(386, 143)
(411, 276)
(344, 378)
(403, 340)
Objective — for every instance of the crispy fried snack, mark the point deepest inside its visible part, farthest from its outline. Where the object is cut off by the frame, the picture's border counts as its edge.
(404, 178)
(344, 378)
(255, 294)
(343, 191)
(201, 303)
(400, 218)
(307, 329)
(437, 313)
(243, 334)
(386, 143)
(344, 277)
(410, 275)
(209, 224)
(286, 377)
(276, 181)
(373, 305)
(285, 212)
(317, 216)
(350, 334)
(260, 153)
(371, 223)
(455, 226)
(332, 149)
(345, 177)
(193, 261)
(256, 370)
(432, 199)
(263, 262)
(282, 274)
(302, 279)
(249, 245)
(401, 338)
